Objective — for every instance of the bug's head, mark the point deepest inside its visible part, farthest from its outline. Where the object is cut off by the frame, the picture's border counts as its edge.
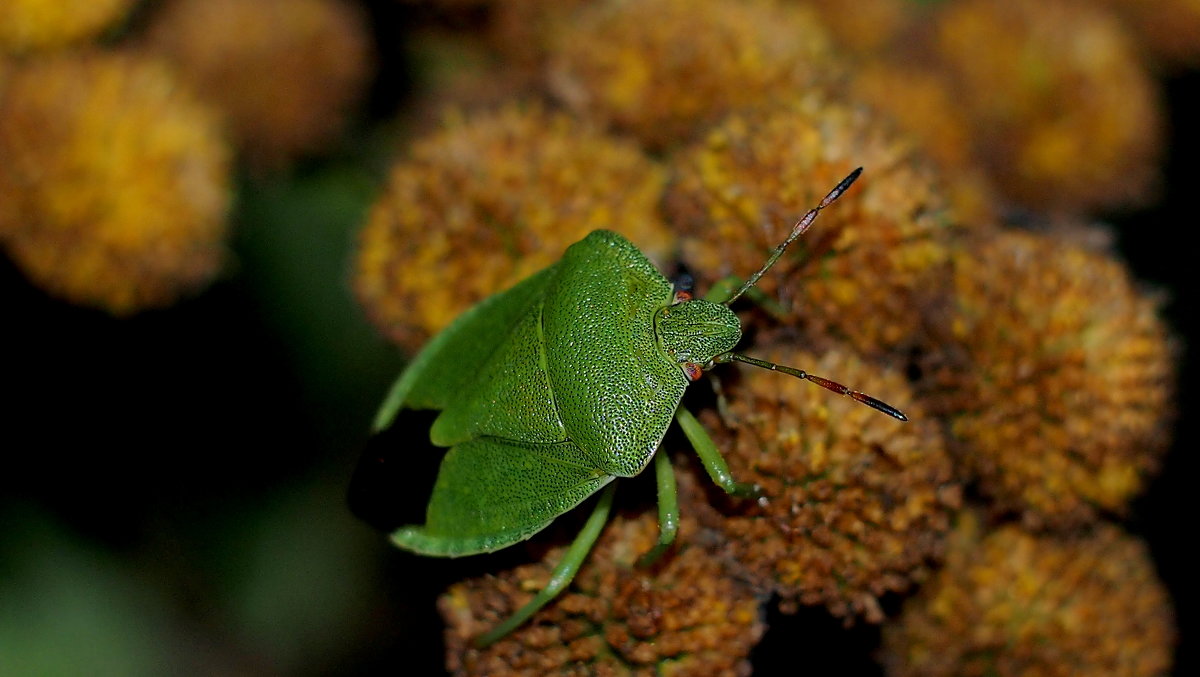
(696, 331)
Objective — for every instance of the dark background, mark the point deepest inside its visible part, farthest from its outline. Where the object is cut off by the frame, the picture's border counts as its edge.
(173, 493)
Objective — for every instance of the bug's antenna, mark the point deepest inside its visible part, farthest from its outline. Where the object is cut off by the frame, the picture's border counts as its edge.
(797, 230)
(878, 405)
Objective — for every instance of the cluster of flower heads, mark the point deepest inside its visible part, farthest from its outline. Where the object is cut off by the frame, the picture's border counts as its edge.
(116, 181)
(1010, 603)
(1041, 376)
(685, 616)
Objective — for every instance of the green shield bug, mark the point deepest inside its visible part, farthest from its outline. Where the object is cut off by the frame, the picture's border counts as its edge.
(575, 375)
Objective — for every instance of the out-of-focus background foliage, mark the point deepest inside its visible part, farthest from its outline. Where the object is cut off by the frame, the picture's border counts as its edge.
(173, 492)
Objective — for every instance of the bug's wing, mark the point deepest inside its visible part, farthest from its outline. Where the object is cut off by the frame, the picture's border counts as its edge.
(447, 364)
(491, 493)
(510, 397)
(615, 388)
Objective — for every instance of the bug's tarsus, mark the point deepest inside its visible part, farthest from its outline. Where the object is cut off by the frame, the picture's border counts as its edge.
(797, 230)
(876, 404)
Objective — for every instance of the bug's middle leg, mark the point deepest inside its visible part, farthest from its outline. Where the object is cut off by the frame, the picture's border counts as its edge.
(711, 457)
(668, 508)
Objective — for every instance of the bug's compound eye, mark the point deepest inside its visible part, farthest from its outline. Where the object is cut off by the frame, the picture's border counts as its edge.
(682, 295)
(692, 370)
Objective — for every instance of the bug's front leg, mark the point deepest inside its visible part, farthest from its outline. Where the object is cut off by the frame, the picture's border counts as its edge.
(711, 457)
(668, 508)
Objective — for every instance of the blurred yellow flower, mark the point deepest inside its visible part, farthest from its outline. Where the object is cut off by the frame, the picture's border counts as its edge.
(115, 182)
(33, 25)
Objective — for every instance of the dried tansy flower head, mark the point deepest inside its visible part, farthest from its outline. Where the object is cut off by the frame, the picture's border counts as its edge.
(524, 30)
(661, 68)
(869, 25)
(487, 201)
(1015, 604)
(30, 25)
(856, 504)
(1063, 113)
(114, 186)
(284, 72)
(867, 263)
(922, 104)
(684, 616)
(1064, 411)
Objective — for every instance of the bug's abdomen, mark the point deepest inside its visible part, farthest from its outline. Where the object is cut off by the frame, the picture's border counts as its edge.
(510, 397)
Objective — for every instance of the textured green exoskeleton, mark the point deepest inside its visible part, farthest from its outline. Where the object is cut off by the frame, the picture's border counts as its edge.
(550, 390)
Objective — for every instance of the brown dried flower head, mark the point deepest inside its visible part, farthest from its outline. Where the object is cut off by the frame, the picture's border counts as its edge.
(684, 616)
(1063, 113)
(284, 72)
(1064, 411)
(114, 184)
(659, 69)
(855, 504)
(868, 263)
(1011, 603)
(489, 200)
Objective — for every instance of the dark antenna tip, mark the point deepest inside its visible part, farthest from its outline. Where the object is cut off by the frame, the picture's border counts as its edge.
(842, 187)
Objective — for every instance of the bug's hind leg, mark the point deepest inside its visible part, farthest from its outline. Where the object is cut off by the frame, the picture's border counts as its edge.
(562, 575)
(711, 457)
(668, 509)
